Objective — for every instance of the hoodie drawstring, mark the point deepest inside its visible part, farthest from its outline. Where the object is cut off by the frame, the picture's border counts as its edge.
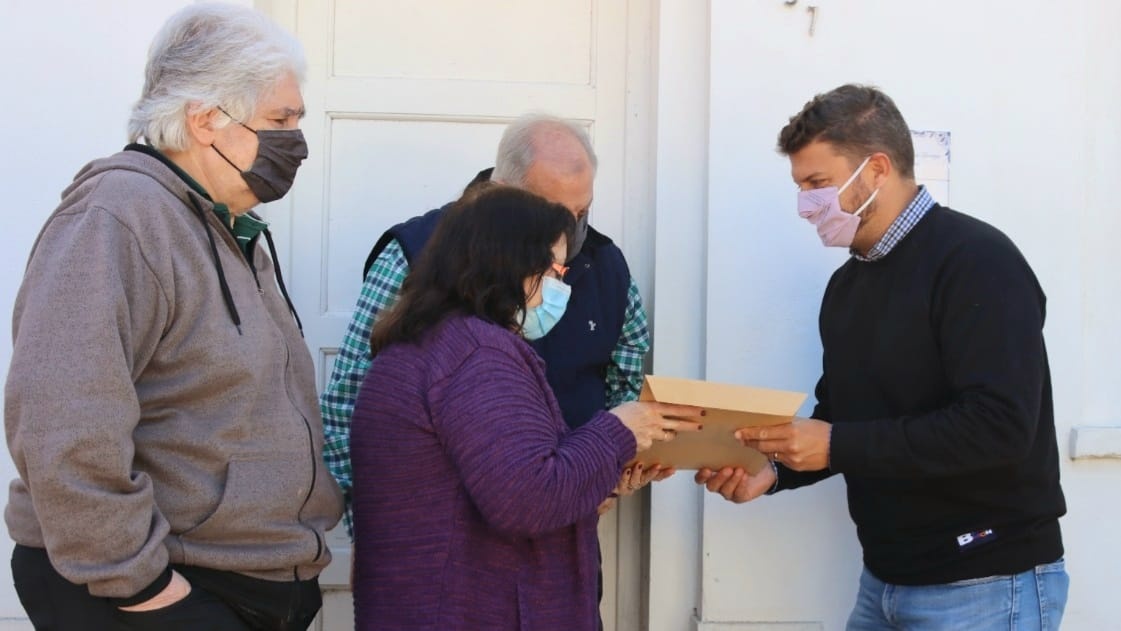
(280, 280)
(226, 295)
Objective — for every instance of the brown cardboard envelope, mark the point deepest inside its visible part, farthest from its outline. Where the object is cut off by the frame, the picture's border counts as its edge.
(727, 408)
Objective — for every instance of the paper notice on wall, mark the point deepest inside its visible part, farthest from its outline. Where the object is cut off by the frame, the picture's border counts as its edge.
(932, 163)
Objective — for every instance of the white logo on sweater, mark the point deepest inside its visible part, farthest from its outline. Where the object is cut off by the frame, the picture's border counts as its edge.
(591, 325)
(971, 538)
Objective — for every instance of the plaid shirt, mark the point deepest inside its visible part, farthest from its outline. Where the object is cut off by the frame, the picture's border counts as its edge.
(383, 283)
(899, 228)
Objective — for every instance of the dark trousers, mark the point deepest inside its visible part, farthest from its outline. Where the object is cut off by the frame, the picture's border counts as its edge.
(219, 601)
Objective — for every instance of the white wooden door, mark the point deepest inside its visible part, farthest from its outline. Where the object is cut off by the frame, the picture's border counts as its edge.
(405, 103)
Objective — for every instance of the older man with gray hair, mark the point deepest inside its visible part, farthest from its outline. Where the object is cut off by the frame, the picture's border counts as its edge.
(160, 405)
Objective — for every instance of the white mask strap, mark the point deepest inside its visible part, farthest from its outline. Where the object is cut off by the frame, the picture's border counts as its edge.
(853, 176)
(865, 204)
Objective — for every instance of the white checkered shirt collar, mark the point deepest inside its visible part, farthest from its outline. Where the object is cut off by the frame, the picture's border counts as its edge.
(899, 228)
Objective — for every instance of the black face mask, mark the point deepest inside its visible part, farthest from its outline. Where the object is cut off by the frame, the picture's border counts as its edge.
(279, 154)
(578, 235)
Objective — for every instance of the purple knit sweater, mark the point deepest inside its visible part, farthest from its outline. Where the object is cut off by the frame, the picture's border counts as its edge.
(474, 504)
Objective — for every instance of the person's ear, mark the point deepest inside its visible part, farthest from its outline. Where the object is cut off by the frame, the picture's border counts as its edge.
(881, 167)
(202, 124)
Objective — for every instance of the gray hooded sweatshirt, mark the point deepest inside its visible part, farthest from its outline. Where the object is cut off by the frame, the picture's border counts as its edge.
(146, 427)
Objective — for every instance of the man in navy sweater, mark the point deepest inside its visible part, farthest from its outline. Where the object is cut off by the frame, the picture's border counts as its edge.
(935, 399)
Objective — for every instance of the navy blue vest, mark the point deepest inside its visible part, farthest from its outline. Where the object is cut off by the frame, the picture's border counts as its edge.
(578, 349)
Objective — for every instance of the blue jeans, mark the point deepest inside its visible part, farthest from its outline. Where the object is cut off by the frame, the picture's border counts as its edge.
(1029, 601)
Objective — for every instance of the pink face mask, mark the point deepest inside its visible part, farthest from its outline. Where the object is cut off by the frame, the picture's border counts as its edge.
(822, 208)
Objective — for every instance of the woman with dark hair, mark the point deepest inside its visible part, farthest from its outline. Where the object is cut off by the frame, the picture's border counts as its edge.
(474, 504)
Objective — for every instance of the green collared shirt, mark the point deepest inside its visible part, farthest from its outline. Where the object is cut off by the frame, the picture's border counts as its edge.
(245, 227)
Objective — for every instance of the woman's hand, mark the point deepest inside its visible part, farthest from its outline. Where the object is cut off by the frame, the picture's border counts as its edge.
(635, 477)
(651, 421)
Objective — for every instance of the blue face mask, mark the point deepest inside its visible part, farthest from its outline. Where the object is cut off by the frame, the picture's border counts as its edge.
(539, 320)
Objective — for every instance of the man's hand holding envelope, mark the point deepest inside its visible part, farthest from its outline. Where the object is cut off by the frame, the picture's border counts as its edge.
(728, 409)
(801, 445)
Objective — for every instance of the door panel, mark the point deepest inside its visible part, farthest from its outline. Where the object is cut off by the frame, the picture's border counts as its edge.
(452, 40)
(423, 163)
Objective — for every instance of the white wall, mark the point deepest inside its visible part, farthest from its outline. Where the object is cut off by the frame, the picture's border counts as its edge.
(71, 72)
(1031, 93)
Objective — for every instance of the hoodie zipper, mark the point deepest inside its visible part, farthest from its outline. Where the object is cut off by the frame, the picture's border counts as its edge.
(228, 237)
(307, 426)
(311, 448)
(319, 544)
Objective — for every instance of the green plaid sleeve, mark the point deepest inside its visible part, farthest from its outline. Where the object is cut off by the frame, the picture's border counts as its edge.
(625, 372)
(383, 283)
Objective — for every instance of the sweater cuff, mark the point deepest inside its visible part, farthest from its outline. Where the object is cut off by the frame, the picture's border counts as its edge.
(618, 435)
(847, 447)
(148, 593)
(774, 487)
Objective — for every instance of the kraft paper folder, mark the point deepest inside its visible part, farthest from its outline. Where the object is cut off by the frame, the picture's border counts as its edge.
(727, 408)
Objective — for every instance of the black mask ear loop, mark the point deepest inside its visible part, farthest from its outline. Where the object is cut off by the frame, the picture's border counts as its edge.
(215, 147)
(229, 116)
(228, 161)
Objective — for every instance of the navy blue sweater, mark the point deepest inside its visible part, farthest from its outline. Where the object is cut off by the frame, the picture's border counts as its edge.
(937, 384)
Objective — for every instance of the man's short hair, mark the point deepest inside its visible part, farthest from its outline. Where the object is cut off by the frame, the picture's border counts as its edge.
(518, 148)
(857, 120)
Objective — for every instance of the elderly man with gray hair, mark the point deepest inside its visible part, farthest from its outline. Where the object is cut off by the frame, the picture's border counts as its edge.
(160, 406)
